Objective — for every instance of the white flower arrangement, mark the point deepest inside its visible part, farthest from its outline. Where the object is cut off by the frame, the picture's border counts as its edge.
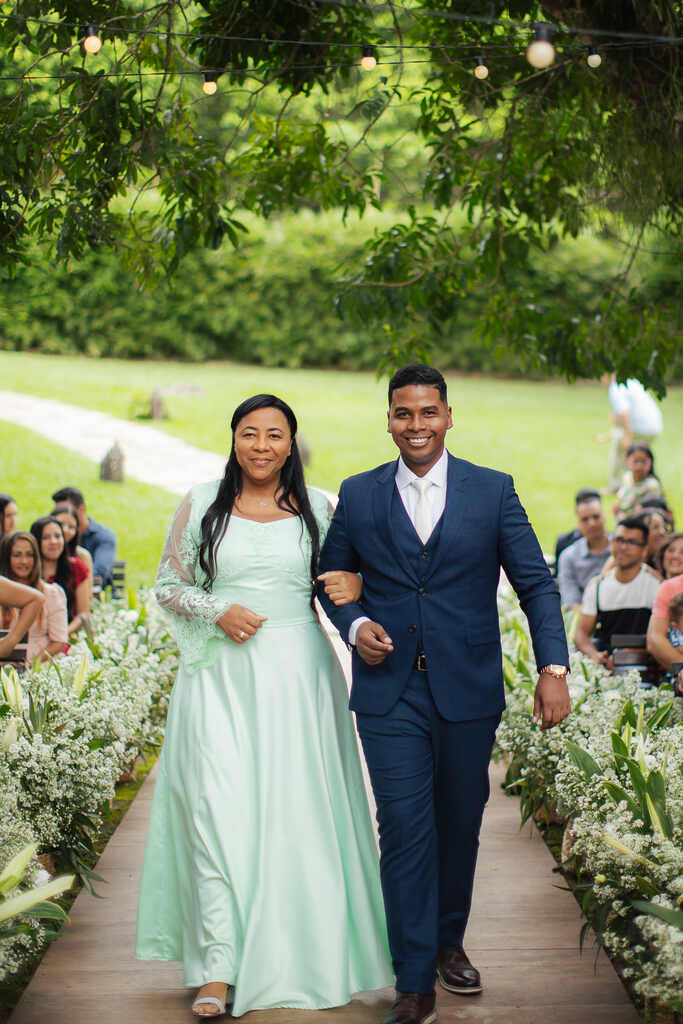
(614, 769)
(68, 731)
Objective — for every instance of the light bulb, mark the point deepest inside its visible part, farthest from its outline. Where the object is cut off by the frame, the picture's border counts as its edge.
(540, 52)
(209, 86)
(368, 61)
(92, 42)
(594, 60)
(480, 69)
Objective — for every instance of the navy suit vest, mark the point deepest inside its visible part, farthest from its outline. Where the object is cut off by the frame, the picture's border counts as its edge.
(417, 554)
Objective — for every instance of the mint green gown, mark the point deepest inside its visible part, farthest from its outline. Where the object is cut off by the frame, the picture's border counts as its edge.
(261, 867)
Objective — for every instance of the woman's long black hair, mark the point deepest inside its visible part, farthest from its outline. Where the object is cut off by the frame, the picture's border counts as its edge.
(58, 510)
(5, 500)
(63, 572)
(293, 496)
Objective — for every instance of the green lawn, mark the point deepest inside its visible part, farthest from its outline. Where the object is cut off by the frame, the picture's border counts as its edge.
(31, 468)
(542, 433)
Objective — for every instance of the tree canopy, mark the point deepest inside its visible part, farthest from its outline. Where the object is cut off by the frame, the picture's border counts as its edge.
(122, 150)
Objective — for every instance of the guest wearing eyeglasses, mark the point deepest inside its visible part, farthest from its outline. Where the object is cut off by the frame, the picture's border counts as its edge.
(621, 600)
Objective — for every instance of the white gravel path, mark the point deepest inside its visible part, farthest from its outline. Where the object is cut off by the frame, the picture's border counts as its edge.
(151, 455)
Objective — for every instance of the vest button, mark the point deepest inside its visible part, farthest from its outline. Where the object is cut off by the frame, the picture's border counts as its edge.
(411, 629)
(425, 554)
(421, 591)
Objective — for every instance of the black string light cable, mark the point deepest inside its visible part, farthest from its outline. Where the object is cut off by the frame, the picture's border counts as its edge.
(482, 19)
(540, 50)
(520, 26)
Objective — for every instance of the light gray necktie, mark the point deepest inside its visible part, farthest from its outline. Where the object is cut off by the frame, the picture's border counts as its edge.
(423, 509)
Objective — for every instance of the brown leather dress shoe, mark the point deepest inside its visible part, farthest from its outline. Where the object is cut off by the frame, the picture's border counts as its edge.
(412, 1008)
(456, 973)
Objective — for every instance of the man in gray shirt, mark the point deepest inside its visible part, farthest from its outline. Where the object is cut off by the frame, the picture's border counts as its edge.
(585, 557)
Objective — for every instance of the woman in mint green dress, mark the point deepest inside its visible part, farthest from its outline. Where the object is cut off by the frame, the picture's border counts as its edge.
(261, 869)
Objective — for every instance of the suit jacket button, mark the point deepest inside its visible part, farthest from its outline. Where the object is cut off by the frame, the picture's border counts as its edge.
(411, 629)
(421, 590)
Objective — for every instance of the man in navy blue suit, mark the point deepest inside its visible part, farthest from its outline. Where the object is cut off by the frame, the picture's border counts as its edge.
(429, 534)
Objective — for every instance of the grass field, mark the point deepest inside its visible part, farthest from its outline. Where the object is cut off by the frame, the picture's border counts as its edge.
(542, 433)
(31, 469)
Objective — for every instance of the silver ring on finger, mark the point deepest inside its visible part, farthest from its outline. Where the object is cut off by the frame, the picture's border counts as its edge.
(242, 634)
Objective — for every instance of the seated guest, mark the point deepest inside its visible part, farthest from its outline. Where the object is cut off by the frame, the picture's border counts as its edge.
(658, 533)
(48, 634)
(99, 540)
(30, 604)
(565, 539)
(675, 632)
(586, 557)
(58, 567)
(655, 503)
(670, 561)
(66, 514)
(621, 600)
(640, 480)
(8, 514)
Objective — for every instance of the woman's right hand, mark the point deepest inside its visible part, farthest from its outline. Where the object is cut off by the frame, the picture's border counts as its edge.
(239, 623)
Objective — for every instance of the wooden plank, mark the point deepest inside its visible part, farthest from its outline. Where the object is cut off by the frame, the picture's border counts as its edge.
(523, 936)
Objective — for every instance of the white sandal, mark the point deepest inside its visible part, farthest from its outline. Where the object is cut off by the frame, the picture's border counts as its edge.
(213, 1001)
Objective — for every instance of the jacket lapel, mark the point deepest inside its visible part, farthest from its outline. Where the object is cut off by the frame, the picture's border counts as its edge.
(382, 498)
(455, 507)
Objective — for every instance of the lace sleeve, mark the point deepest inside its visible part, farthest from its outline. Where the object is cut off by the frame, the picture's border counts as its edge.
(192, 611)
(322, 509)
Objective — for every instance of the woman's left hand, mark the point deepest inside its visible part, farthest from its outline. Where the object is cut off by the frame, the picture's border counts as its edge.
(342, 587)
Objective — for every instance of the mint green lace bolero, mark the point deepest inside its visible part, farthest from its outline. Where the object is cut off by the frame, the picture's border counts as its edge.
(192, 611)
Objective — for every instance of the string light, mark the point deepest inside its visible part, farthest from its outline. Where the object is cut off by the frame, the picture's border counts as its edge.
(540, 52)
(368, 61)
(209, 86)
(594, 60)
(92, 42)
(480, 70)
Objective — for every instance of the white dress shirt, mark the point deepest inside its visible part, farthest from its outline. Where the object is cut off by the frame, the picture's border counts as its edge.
(436, 495)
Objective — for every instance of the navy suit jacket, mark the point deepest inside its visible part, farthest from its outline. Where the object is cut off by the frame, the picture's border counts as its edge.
(454, 608)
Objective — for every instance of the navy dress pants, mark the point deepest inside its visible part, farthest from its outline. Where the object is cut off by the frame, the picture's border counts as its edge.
(430, 780)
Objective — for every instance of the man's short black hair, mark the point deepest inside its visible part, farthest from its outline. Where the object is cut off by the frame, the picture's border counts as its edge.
(71, 494)
(419, 373)
(586, 494)
(635, 523)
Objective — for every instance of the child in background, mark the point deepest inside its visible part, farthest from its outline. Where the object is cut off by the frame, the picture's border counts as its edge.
(675, 632)
(640, 480)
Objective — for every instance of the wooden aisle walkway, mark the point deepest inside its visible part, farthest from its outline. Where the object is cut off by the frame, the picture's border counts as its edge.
(523, 936)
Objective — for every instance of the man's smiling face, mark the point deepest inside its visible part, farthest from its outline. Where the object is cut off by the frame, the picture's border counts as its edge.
(418, 420)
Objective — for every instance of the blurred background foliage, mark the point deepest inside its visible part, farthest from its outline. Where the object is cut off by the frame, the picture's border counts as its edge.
(271, 302)
(313, 214)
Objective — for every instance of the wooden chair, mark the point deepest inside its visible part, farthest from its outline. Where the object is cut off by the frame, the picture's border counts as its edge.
(17, 657)
(118, 578)
(629, 651)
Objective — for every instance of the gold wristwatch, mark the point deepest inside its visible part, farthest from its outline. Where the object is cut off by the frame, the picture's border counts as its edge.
(559, 671)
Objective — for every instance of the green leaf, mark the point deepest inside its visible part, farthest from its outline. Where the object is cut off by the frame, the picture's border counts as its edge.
(618, 794)
(656, 802)
(24, 901)
(583, 760)
(14, 871)
(659, 718)
(640, 789)
(628, 714)
(673, 917)
(621, 751)
(646, 886)
(48, 910)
